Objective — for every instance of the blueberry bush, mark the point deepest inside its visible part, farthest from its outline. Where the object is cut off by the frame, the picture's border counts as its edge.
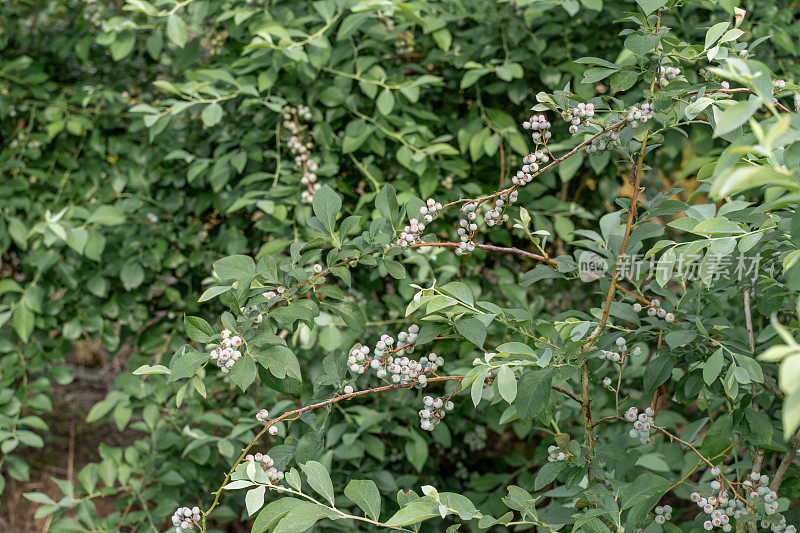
(415, 266)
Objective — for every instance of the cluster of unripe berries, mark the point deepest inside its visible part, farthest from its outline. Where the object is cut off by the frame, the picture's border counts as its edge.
(779, 84)
(530, 166)
(227, 354)
(758, 485)
(636, 115)
(433, 412)
(411, 233)
(496, 214)
(540, 127)
(302, 112)
(667, 74)
(554, 453)
(430, 210)
(269, 295)
(619, 357)
(601, 142)
(390, 363)
(263, 417)
(719, 507)
(185, 518)
(578, 115)
(655, 309)
(268, 465)
(643, 424)
(663, 513)
(300, 149)
(468, 226)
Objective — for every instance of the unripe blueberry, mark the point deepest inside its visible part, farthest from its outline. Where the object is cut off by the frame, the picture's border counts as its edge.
(607, 381)
(637, 307)
(273, 430)
(348, 389)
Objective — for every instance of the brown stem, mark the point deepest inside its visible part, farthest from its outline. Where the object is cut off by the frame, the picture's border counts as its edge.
(748, 320)
(567, 393)
(785, 462)
(586, 408)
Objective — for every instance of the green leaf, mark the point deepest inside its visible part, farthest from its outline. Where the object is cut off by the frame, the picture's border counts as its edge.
(533, 392)
(319, 479)
(186, 364)
(280, 361)
(715, 32)
(132, 275)
(658, 371)
(623, 80)
(244, 372)
(107, 215)
(539, 273)
(300, 518)
(507, 384)
(197, 329)
(758, 429)
(385, 102)
(272, 514)
(593, 75)
(547, 473)
(351, 313)
(176, 30)
(640, 44)
(641, 496)
(254, 499)
(386, 204)
(648, 6)
(235, 267)
(736, 115)
(326, 207)
(472, 76)
(713, 366)
(741, 178)
(414, 512)
(791, 413)
(679, 337)
(212, 114)
(472, 329)
(719, 436)
(364, 493)
(123, 44)
(23, 320)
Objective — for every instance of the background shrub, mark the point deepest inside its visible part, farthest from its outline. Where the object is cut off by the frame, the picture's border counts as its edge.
(144, 142)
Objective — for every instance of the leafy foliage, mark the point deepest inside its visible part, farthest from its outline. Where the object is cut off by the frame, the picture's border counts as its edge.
(233, 183)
